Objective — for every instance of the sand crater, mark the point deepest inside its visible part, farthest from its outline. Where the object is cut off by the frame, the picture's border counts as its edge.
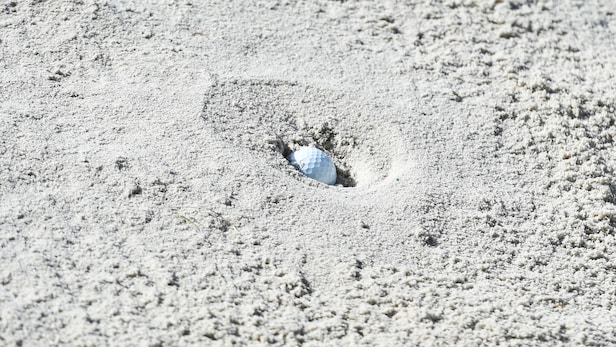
(277, 117)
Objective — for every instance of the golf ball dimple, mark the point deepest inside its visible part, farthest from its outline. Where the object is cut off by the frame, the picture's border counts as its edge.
(315, 164)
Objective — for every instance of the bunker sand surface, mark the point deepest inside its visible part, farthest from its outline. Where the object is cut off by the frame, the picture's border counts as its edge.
(146, 198)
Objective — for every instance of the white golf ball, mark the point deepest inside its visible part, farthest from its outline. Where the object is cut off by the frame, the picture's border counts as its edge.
(315, 164)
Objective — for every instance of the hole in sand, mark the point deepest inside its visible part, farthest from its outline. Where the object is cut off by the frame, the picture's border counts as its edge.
(343, 172)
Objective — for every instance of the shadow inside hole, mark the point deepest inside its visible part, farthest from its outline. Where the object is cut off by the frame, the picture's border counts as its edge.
(283, 148)
(343, 176)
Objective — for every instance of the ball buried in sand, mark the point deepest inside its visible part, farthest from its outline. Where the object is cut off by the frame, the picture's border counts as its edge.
(315, 164)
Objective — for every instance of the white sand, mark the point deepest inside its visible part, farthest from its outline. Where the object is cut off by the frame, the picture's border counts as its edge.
(145, 199)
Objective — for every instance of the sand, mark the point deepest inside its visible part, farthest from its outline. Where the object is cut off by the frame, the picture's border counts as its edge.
(145, 198)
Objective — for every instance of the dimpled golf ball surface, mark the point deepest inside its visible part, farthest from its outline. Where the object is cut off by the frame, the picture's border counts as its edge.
(315, 164)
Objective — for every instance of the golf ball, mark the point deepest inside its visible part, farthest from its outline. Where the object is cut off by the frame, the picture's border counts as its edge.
(315, 164)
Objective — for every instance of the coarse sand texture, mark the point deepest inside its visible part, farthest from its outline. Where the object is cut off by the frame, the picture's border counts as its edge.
(147, 197)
